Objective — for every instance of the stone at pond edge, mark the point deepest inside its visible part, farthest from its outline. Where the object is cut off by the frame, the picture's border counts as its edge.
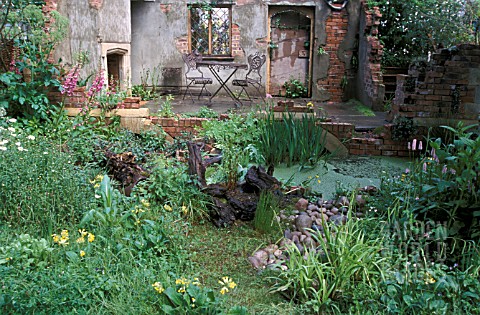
(303, 222)
(301, 204)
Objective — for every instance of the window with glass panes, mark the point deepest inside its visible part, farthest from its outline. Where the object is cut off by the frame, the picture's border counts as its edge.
(210, 30)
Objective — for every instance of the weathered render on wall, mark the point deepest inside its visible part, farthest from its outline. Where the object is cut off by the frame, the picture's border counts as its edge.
(94, 26)
(156, 26)
(150, 36)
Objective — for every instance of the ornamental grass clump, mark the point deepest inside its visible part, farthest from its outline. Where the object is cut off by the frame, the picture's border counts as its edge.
(345, 258)
(291, 140)
(265, 213)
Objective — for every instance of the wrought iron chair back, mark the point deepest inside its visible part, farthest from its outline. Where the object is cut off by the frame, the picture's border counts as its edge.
(255, 63)
(193, 75)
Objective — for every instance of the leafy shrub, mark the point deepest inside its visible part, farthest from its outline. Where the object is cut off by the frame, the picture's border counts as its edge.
(170, 185)
(443, 184)
(294, 88)
(30, 74)
(236, 137)
(142, 92)
(403, 128)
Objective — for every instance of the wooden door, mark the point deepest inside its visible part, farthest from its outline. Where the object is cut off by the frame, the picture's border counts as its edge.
(290, 47)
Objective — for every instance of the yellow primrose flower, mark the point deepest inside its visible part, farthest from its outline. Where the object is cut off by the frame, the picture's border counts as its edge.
(82, 253)
(184, 210)
(227, 282)
(56, 238)
(429, 279)
(83, 232)
(63, 241)
(91, 237)
(223, 290)
(64, 234)
(181, 290)
(145, 203)
(168, 208)
(310, 104)
(158, 287)
(80, 240)
(196, 282)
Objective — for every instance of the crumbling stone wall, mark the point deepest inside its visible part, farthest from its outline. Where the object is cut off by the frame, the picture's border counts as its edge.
(446, 88)
(371, 90)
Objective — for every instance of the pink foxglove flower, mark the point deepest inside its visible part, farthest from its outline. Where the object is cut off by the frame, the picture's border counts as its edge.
(409, 146)
(97, 84)
(414, 144)
(424, 166)
(420, 146)
(70, 82)
(444, 169)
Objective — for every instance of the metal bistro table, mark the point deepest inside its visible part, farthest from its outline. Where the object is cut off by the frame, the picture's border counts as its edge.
(215, 67)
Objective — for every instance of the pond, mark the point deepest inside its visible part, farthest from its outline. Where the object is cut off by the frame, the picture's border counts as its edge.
(351, 172)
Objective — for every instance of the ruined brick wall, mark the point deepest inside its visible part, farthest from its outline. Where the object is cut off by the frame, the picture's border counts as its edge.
(336, 29)
(371, 90)
(446, 88)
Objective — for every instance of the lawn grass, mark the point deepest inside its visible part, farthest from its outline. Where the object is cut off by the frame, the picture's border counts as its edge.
(216, 253)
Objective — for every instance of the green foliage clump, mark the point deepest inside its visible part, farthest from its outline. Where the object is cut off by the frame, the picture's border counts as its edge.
(265, 213)
(443, 184)
(170, 185)
(236, 137)
(291, 140)
(348, 257)
(188, 296)
(294, 88)
(403, 128)
(26, 73)
(41, 186)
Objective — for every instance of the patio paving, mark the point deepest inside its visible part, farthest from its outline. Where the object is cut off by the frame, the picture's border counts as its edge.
(337, 112)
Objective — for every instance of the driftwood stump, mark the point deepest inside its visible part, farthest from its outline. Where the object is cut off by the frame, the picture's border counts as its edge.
(229, 205)
(123, 168)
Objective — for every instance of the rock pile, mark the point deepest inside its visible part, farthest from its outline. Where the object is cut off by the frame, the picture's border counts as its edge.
(307, 218)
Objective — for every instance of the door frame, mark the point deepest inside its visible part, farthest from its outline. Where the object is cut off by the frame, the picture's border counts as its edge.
(309, 12)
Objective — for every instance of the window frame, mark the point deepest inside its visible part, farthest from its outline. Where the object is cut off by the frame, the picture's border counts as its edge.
(210, 55)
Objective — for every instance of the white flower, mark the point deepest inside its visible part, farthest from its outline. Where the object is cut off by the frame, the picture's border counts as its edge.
(12, 120)
(97, 196)
(3, 148)
(11, 129)
(45, 152)
(3, 142)
(21, 149)
(18, 144)
(30, 137)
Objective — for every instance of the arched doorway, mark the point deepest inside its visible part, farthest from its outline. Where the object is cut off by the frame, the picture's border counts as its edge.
(116, 65)
(290, 47)
(114, 70)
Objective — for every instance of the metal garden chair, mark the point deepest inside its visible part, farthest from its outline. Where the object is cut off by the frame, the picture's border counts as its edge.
(253, 77)
(194, 76)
